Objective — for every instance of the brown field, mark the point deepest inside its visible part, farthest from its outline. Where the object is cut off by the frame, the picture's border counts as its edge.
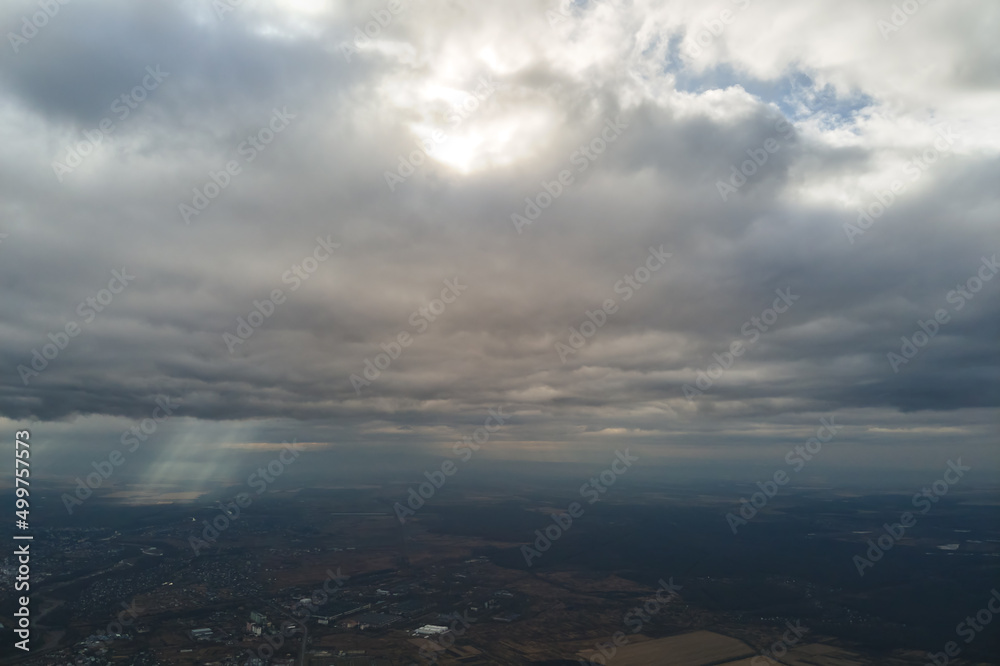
(814, 654)
(817, 654)
(699, 648)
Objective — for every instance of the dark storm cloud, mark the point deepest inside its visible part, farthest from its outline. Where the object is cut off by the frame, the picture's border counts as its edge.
(91, 54)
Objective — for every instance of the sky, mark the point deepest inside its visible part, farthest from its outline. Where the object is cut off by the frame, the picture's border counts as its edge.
(692, 229)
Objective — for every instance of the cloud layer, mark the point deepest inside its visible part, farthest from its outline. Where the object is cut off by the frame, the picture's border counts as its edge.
(532, 154)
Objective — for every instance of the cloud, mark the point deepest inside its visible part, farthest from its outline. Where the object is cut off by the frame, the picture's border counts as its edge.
(854, 111)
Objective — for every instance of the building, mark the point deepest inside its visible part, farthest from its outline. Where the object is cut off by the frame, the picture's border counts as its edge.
(200, 634)
(430, 630)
